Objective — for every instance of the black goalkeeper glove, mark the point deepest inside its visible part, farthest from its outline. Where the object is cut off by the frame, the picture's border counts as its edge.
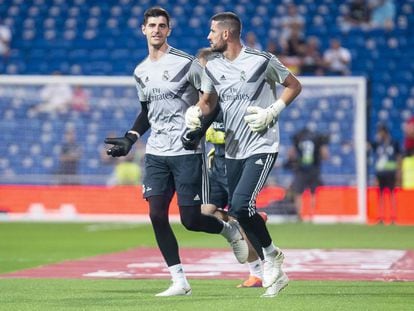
(191, 138)
(122, 145)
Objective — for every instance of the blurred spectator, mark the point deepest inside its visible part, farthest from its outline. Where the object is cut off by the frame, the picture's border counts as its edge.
(5, 39)
(80, 99)
(337, 59)
(291, 62)
(272, 48)
(357, 15)
(293, 20)
(407, 171)
(295, 44)
(409, 136)
(387, 168)
(56, 97)
(305, 158)
(407, 165)
(251, 41)
(382, 14)
(312, 62)
(127, 171)
(70, 155)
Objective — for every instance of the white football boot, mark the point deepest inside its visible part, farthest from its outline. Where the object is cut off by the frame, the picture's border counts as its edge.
(272, 267)
(276, 287)
(176, 289)
(231, 232)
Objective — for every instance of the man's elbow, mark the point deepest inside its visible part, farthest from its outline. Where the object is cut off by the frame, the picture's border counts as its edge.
(297, 87)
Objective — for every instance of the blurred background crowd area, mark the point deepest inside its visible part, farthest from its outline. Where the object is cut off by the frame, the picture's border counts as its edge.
(369, 38)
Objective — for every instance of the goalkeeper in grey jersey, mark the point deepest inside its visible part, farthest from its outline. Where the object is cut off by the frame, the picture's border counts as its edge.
(168, 82)
(243, 82)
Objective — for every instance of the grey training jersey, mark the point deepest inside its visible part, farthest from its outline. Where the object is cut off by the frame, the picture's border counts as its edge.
(169, 85)
(249, 80)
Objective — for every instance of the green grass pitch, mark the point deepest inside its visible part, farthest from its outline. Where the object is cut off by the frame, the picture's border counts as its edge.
(26, 245)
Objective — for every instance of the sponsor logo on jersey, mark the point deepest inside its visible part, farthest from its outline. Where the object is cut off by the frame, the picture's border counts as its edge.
(196, 198)
(157, 94)
(233, 94)
(222, 78)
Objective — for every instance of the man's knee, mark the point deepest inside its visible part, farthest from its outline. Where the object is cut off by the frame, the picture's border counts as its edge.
(239, 206)
(190, 223)
(190, 217)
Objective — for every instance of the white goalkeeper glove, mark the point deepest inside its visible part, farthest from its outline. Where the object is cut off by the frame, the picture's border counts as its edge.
(260, 118)
(192, 117)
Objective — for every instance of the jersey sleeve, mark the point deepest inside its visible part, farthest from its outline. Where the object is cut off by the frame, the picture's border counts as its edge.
(194, 74)
(140, 92)
(276, 71)
(207, 84)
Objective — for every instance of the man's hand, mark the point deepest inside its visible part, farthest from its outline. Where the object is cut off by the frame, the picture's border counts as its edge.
(260, 118)
(192, 117)
(191, 138)
(122, 145)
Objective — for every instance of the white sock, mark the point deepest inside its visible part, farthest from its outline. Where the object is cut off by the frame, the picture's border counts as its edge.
(269, 250)
(255, 268)
(177, 274)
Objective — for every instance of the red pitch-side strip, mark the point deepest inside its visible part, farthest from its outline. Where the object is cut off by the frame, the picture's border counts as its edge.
(300, 264)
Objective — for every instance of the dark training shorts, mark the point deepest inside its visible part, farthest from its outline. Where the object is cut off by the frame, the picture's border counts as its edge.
(218, 183)
(166, 174)
(246, 177)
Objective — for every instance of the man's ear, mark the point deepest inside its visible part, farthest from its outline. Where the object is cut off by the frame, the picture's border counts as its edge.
(169, 32)
(143, 29)
(226, 34)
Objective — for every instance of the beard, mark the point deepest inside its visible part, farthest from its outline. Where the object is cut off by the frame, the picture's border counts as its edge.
(219, 48)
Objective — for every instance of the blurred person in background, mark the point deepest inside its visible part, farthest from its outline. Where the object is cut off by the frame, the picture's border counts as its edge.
(357, 15)
(251, 41)
(69, 158)
(312, 62)
(305, 157)
(127, 171)
(80, 99)
(5, 39)
(382, 14)
(56, 97)
(295, 43)
(387, 156)
(168, 82)
(293, 20)
(407, 165)
(242, 82)
(337, 59)
(408, 129)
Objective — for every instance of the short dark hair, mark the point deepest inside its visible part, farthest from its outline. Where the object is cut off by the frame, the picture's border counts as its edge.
(156, 11)
(231, 21)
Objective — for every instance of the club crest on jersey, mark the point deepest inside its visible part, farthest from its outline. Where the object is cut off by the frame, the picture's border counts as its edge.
(243, 76)
(165, 75)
